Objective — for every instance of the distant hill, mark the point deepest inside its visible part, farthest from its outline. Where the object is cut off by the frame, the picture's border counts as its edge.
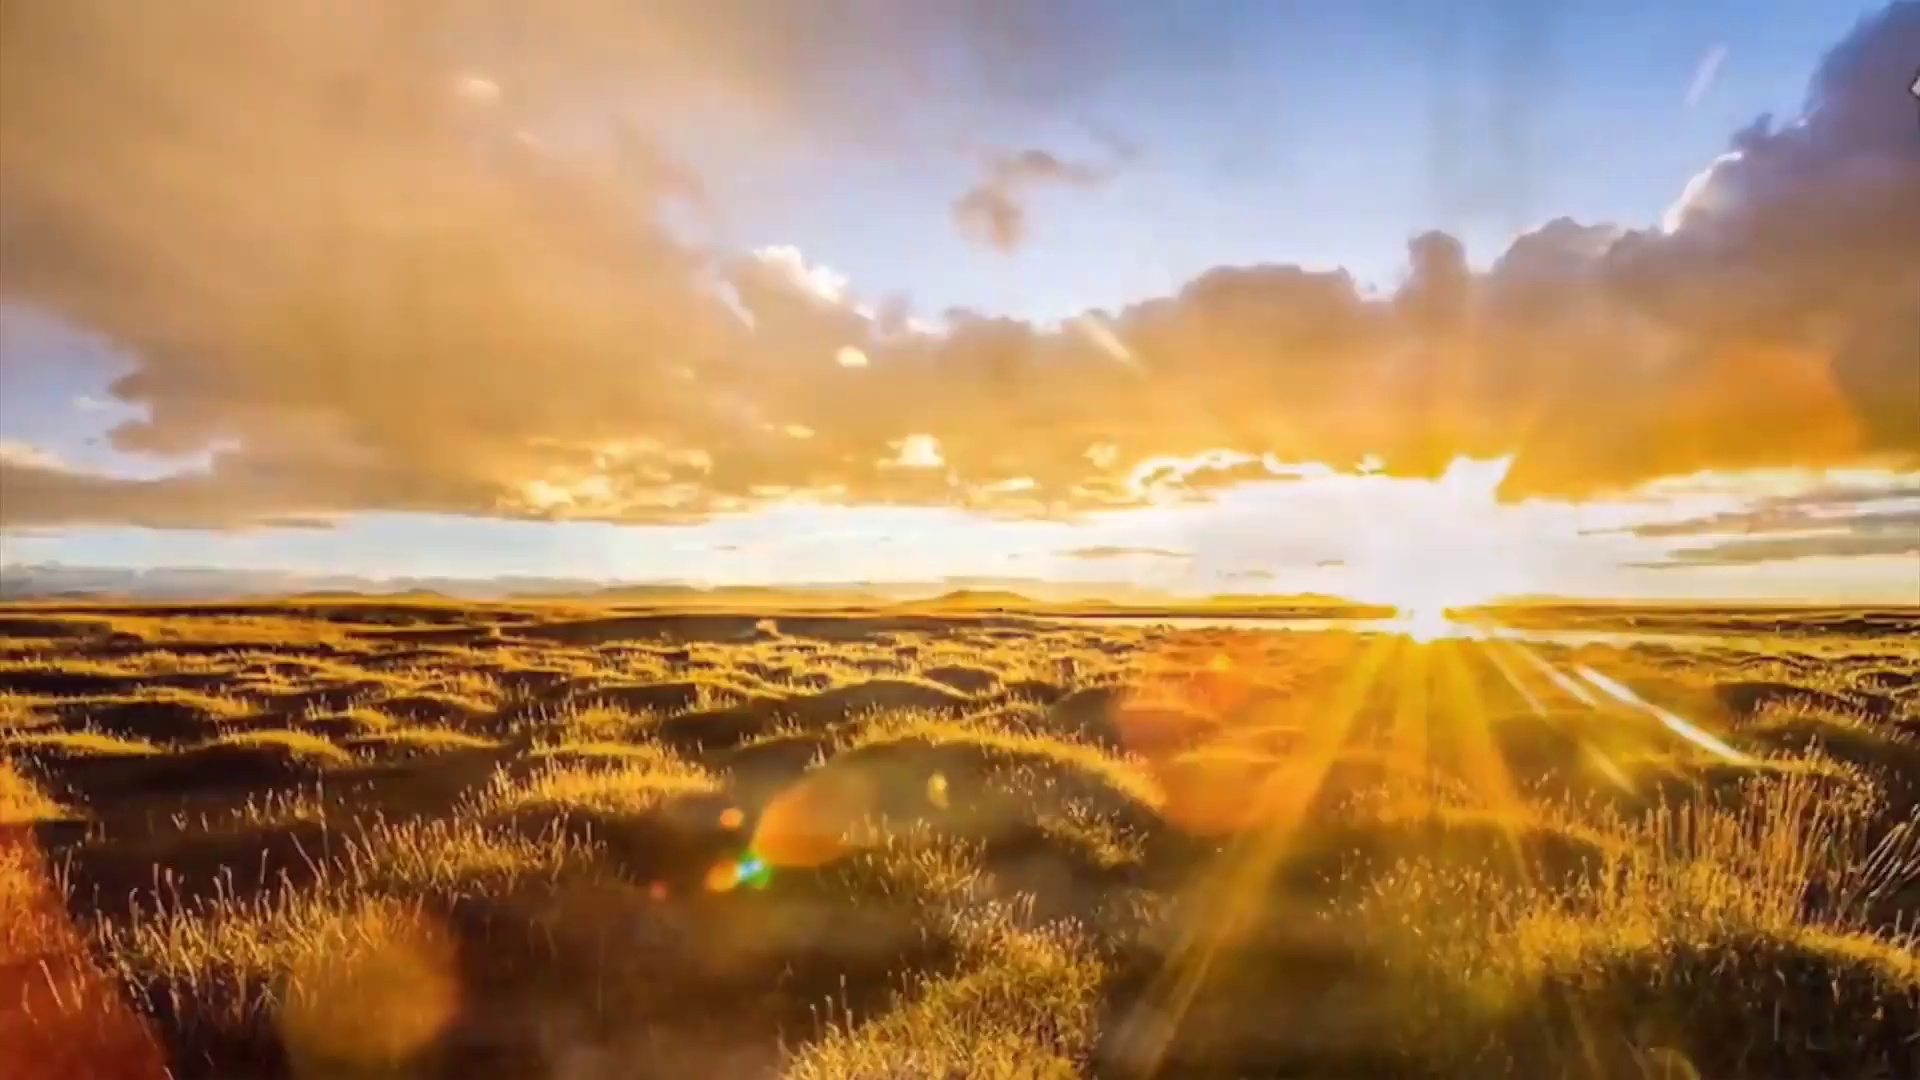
(1286, 600)
(978, 599)
(22, 581)
(748, 596)
(25, 581)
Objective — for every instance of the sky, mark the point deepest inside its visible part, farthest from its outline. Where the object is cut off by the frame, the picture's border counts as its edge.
(1409, 301)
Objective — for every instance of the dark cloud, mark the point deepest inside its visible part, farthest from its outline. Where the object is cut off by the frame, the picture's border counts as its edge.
(1774, 519)
(1830, 508)
(1832, 522)
(348, 266)
(991, 215)
(1788, 548)
(992, 212)
(1105, 551)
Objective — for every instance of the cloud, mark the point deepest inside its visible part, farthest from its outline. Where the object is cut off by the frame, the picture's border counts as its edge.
(1825, 507)
(1705, 73)
(1831, 521)
(1108, 551)
(39, 490)
(1789, 548)
(347, 284)
(20, 455)
(1198, 476)
(992, 213)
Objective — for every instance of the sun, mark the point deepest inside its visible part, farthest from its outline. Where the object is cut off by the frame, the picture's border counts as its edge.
(1437, 545)
(1426, 599)
(1427, 624)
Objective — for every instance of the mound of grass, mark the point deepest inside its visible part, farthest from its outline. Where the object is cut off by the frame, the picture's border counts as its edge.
(1024, 1005)
(606, 722)
(1732, 940)
(430, 706)
(1131, 719)
(19, 712)
(1726, 1003)
(22, 802)
(356, 722)
(296, 745)
(1750, 697)
(1519, 844)
(451, 857)
(222, 969)
(67, 745)
(667, 698)
(167, 714)
(895, 693)
(258, 759)
(1006, 743)
(609, 752)
(1844, 735)
(962, 677)
(618, 778)
(413, 741)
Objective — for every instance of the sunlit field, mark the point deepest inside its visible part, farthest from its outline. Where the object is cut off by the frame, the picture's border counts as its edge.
(381, 838)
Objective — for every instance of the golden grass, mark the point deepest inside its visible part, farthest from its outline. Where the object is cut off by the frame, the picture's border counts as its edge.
(1025, 1006)
(260, 811)
(301, 745)
(76, 744)
(606, 722)
(215, 706)
(992, 926)
(1002, 737)
(1701, 922)
(360, 718)
(425, 740)
(240, 957)
(22, 802)
(20, 711)
(624, 778)
(450, 856)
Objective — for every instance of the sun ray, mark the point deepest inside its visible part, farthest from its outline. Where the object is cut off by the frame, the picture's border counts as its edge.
(1679, 726)
(1494, 647)
(1233, 894)
(1558, 678)
(1410, 736)
(1480, 760)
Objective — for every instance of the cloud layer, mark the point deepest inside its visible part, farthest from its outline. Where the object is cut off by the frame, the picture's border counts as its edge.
(1825, 522)
(369, 260)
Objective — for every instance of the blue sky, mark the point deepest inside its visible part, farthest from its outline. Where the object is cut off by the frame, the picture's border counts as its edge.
(1302, 133)
(1236, 134)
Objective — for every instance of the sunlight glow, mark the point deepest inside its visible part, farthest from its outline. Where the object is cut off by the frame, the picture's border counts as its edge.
(1430, 547)
(1427, 624)
(1674, 723)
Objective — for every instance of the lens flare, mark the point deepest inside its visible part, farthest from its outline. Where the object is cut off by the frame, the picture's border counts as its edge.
(807, 824)
(1674, 723)
(372, 989)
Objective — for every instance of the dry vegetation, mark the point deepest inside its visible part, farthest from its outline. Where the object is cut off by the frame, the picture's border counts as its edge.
(361, 838)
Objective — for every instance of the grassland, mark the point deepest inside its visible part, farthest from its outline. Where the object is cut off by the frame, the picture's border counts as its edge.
(359, 838)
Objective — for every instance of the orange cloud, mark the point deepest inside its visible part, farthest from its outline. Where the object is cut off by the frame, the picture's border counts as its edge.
(349, 264)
